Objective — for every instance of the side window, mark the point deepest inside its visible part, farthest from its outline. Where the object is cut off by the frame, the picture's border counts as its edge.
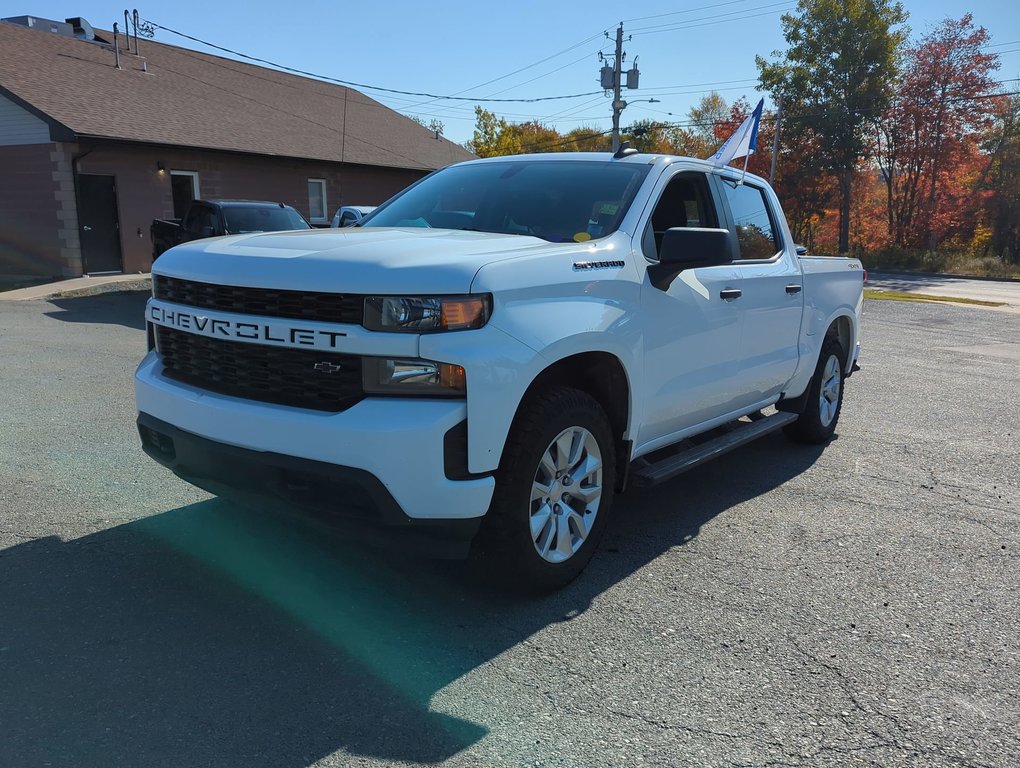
(756, 232)
(684, 203)
(200, 216)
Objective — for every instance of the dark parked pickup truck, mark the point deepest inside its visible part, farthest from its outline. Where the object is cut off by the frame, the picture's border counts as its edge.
(212, 218)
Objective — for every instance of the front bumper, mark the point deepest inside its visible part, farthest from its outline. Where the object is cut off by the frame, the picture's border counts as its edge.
(332, 492)
(398, 441)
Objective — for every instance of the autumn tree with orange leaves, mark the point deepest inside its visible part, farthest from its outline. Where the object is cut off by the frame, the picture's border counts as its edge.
(928, 143)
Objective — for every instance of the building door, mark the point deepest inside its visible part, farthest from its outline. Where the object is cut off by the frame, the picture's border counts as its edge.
(98, 228)
(184, 186)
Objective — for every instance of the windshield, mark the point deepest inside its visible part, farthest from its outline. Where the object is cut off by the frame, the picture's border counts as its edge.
(558, 201)
(243, 219)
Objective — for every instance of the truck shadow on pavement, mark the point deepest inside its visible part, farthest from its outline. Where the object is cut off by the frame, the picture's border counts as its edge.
(218, 635)
(125, 308)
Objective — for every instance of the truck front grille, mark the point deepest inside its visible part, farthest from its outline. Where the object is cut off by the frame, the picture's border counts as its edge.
(261, 372)
(301, 305)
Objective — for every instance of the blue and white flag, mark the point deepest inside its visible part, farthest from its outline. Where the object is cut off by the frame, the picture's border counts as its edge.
(744, 140)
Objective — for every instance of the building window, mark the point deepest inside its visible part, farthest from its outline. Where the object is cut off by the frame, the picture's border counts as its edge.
(184, 185)
(317, 200)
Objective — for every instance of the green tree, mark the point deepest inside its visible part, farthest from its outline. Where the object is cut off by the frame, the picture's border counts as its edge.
(435, 125)
(710, 112)
(839, 68)
(492, 136)
(496, 136)
(649, 136)
(587, 138)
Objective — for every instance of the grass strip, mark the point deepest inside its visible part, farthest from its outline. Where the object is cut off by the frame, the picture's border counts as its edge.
(870, 293)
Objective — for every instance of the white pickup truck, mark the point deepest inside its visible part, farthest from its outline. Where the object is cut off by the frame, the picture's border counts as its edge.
(494, 353)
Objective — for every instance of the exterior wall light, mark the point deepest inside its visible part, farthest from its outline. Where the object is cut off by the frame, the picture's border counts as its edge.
(160, 168)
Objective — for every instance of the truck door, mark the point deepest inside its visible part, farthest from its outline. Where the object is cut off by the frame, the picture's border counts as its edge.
(691, 331)
(771, 290)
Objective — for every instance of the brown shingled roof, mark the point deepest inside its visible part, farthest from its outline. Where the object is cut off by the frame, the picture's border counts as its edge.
(194, 99)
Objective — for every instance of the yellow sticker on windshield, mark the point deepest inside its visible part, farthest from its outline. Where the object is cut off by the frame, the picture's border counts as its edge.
(582, 237)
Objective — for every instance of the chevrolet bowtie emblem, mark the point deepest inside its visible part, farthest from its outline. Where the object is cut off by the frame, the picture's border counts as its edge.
(327, 367)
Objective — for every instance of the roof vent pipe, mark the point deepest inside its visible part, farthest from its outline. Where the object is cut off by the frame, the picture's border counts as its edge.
(116, 47)
(127, 31)
(134, 21)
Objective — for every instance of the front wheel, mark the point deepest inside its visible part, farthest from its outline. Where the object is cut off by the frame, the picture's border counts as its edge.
(554, 489)
(825, 397)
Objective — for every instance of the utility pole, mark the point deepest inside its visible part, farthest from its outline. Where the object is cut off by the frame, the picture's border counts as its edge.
(775, 140)
(612, 80)
(618, 103)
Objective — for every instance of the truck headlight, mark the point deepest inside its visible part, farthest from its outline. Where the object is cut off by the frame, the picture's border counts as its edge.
(389, 376)
(425, 314)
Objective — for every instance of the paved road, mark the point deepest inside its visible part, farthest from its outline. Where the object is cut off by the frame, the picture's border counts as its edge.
(937, 285)
(784, 606)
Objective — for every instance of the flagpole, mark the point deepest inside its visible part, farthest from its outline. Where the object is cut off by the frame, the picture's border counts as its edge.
(746, 158)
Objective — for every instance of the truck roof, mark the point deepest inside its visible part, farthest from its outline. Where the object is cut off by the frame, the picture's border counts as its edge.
(245, 203)
(640, 158)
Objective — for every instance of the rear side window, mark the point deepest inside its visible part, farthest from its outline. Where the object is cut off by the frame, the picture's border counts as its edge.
(756, 232)
(200, 217)
(244, 219)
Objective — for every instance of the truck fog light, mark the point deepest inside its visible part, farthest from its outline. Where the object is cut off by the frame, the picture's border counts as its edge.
(396, 376)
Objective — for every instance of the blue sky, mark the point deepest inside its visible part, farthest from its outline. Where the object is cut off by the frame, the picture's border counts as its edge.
(525, 49)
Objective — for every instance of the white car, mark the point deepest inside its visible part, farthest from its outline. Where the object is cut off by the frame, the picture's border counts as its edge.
(508, 343)
(349, 215)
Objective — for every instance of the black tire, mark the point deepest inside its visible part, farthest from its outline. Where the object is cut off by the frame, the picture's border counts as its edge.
(506, 545)
(818, 422)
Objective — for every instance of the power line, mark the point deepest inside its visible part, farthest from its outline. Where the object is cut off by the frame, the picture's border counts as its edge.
(518, 71)
(546, 74)
(352, 84)
(689, 10)
(701, 85)
(655, 31)
(718, 18)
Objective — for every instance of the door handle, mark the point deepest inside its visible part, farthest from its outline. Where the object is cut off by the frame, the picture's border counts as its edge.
(86, 228)
(730, 293)
(793, 288)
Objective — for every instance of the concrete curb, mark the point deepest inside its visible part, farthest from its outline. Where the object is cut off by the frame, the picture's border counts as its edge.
(80, 286)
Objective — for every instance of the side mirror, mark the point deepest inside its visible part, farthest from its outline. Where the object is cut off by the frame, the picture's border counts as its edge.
(800, 249)
(207, 232)
(689, 248)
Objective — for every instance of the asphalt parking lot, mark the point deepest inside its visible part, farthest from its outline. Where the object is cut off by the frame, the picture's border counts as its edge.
(784, 606)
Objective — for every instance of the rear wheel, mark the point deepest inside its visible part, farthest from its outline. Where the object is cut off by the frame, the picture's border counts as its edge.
(825, 397)
(554, 489)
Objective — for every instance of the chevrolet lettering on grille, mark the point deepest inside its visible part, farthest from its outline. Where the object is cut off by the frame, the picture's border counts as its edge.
(277, 332)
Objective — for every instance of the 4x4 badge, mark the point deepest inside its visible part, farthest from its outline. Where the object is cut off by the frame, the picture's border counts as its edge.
(327, 367)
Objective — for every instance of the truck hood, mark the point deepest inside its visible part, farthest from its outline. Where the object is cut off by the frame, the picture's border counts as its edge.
(371, 260)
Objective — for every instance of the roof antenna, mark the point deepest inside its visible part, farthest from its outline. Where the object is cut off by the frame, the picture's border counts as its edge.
(625, 150)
